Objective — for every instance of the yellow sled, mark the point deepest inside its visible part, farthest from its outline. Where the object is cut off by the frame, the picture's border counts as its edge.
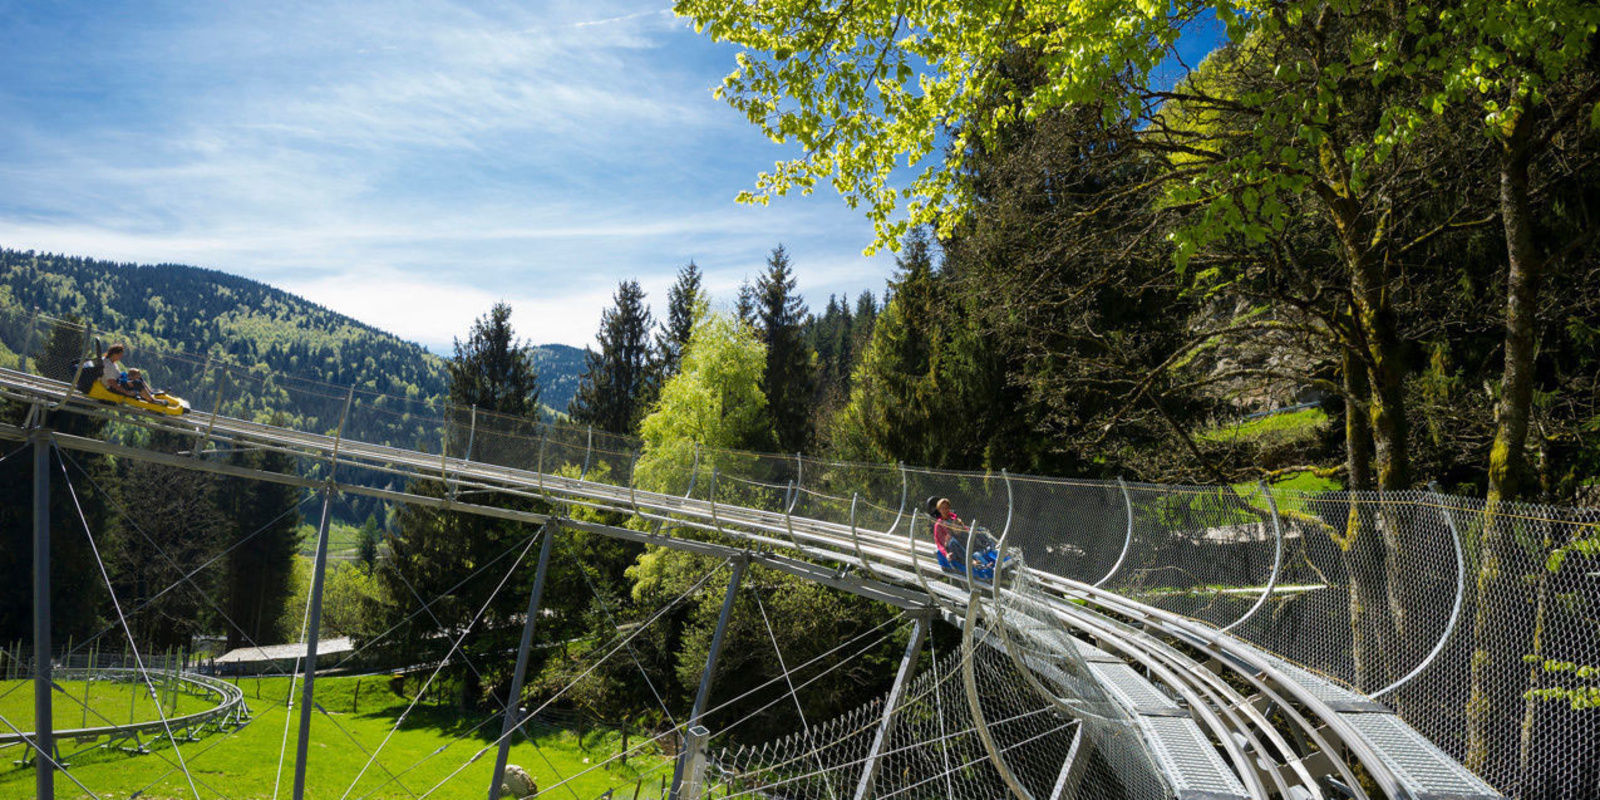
(164, 404)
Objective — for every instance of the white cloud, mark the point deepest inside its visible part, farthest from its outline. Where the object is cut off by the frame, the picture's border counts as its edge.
(406, 163)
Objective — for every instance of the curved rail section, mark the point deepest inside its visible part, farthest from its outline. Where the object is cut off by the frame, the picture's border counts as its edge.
(229, 711)
(1220, 717)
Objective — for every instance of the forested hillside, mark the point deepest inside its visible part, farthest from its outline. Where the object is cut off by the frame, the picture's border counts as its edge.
(559, 367)
(172, 307)
(207, 312)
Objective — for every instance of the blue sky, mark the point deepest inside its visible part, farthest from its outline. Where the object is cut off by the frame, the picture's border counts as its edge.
(407, 163)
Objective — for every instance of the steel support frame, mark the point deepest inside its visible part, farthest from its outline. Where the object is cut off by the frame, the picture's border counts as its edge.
(1455, 610)
(1127, 541)
(704, 692)
(44, 732)
(891, 708)
(313, 632)
(1072, 768)
(1277, 559)
(513, 715)
(969, 682)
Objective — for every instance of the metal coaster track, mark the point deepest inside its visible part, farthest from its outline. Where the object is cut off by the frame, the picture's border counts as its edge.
(1222, 717)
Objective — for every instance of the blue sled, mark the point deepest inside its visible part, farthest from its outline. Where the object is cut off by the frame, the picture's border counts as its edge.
(983, 571)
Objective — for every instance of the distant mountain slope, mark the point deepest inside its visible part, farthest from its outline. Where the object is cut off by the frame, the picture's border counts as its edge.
(204, 311)
(560, 368)
(207, 312)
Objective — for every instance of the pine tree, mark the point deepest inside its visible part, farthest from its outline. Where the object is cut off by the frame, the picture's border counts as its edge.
(682, 299)
(790, 375)
(431, 549)
(620, 377)
(896, 406)
(494, 371)
(265, 524)
(745, 308)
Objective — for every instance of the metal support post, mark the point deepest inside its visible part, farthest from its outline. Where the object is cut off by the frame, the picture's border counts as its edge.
(1461, 591)
(713, 496)
(44, 776)
(694, 471)
(1127, 500)
(633, 483)
(544, 435)
(970, 683)
(513, 715)
(588, 449)
(855, 536)
(338, 435)
(901, 512)
(1000, 549)
(694, 746)
(313, 631)
(1277, 559)
(788, 519)
(704, 692)
(216, 409)
(908, 666)
(27, 344)
(472, 433)
(88, 344)
(1072, 769)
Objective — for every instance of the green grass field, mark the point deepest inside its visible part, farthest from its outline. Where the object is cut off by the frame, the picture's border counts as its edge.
(359, 714)
(90, 704)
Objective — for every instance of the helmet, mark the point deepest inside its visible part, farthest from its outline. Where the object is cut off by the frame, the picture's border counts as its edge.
(932, 505)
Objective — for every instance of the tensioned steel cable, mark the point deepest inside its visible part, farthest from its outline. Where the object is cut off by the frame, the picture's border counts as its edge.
(754, 690)
(606, 609)
(117, 604)
(39, 753)
(911, 700)
(447, 592)
(860, 761)
(523, 718)
(442, 664)
(467, 660)
(186, 577)
(805, 727)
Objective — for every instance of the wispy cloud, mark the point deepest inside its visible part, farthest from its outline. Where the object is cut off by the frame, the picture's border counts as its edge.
(406, 162)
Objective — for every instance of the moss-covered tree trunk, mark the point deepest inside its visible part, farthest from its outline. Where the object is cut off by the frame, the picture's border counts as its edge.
(1359, 546)
(1500, 635)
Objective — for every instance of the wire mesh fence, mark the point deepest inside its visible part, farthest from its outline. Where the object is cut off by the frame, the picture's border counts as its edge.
(1479, 624)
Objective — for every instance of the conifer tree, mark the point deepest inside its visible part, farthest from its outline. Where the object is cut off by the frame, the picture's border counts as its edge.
(620, 377)
(901, 406)
(265, 524)
(682, 298)
(492, 370)
(790, 374)
(430, 549)
(745, 308)
(76, 591)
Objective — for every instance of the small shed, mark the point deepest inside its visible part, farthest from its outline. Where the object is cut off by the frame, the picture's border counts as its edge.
(278, 658)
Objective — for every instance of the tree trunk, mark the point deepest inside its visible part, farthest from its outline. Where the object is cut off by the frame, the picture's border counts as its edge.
(1360, 548)
(1500, 632)
(1508, 461)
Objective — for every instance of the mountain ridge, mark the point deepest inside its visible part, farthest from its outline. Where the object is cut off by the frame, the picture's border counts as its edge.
(206, 311)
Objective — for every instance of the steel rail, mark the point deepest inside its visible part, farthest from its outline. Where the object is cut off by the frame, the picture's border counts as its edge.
(230, 700)
(883, 553)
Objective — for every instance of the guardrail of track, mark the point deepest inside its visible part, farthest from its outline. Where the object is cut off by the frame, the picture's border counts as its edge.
(230, 706)
(1224, 710)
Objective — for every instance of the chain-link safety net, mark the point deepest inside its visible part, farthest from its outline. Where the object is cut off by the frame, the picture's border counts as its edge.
(1478, 624)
